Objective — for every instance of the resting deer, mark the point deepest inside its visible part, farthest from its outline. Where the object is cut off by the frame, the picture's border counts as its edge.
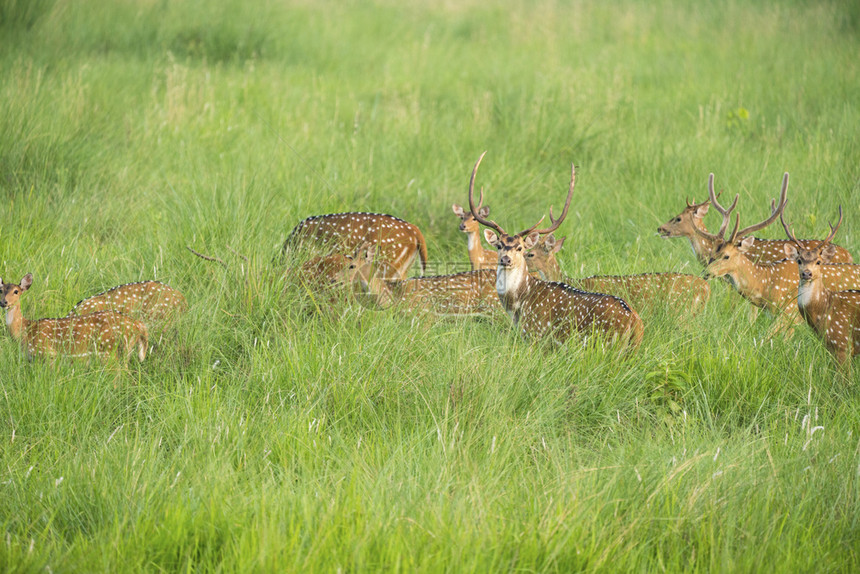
(101, 334)
(150, 300)
(691, 220)
(479, 257)
(833, 315)
(398, 242)
(681, 291)
(541, 308)
(469, 293)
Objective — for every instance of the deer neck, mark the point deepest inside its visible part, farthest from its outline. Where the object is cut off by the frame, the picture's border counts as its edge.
(512, 284)
(476, 251)
(813, 300)
(15, 321)
(702, 246)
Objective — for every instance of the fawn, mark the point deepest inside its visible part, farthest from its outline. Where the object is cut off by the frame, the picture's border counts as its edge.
(101, 334)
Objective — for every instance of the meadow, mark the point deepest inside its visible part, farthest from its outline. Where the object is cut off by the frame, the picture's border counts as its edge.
(259, 436)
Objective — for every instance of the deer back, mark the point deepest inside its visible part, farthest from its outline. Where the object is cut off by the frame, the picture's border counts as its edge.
(472, 292)
(397, 242)
(150, 300)
(559, 310)
(684, 292)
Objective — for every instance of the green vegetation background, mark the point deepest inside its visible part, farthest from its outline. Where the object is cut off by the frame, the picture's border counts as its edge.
(258, 437)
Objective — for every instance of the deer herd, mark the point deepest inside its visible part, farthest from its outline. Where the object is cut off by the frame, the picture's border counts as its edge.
(368, 255)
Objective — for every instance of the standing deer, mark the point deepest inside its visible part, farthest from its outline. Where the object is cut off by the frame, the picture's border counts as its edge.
(479, 257)
(541, 308)
(833, 315)
(690, 222)
(767, 285)
(398, 242)
(150, 300)
(468, 293)
(101, 334)
(681, 291)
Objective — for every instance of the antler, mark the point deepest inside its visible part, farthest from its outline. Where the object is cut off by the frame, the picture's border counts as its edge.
(788, 230)
(833, 230)
(556, 222)
(476, 210)
(775, 211)
(687, 200)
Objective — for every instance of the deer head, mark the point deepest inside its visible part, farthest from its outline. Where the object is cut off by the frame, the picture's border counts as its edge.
(685, 223)
(360, 274)
(10, 292)
(512, 248)
(726, 252)
(542, 258)
(809, 261)
(468, 223)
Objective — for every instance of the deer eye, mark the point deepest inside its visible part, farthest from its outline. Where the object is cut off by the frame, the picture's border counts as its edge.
(725, 256)
(677, 220)
(519, 248)
(817, 263)
(530, 254)
(15, 292)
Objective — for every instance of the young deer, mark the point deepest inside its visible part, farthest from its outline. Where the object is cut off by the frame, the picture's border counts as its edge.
(479, 257)
(469, 293)
(677, 290)
(833, 315)
(150, 300)
(102, 333)
(541, 308)
(690, 221)
(398, 241)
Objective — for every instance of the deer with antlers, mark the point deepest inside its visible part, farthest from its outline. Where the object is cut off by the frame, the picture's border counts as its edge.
(100, 334)
(479, 257)
(833, 315)
(149, 300)
(690, 222)
(643, 290)
(768, 285)
(398, 242)
(540, 308)
(468, 293)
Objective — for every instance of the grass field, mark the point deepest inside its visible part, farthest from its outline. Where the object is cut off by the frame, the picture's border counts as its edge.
(259, 438)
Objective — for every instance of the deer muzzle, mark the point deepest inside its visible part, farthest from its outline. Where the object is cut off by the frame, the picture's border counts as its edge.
(806, 275)
(505, 261)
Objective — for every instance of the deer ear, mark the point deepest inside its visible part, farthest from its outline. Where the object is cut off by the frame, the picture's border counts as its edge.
(484, 212)
(828, 253)
(458, 211)
(26, 281)
(549, 243)
(701, 211)
(746, 244)
(790, 250)
(558, 245)
(531, 239)
(491, 237)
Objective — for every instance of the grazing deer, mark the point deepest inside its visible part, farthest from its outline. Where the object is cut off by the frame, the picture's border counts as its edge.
(833, 315)
(101, 334)
(479, 257)
(150, 300)
(681, 291)
(469, 293)
(541, 308)
(690, 221)
(398, 241)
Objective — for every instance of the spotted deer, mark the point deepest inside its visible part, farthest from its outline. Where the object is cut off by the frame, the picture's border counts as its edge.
(100, 334)
(834, 315)
(691, 219)
(550, 309)
(643, 291)
(148, 300)
(479, 257)
(468, 293)
(398, 242)
(767, 285)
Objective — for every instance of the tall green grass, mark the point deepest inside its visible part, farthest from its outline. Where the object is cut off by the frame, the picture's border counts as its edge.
(259, 436)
